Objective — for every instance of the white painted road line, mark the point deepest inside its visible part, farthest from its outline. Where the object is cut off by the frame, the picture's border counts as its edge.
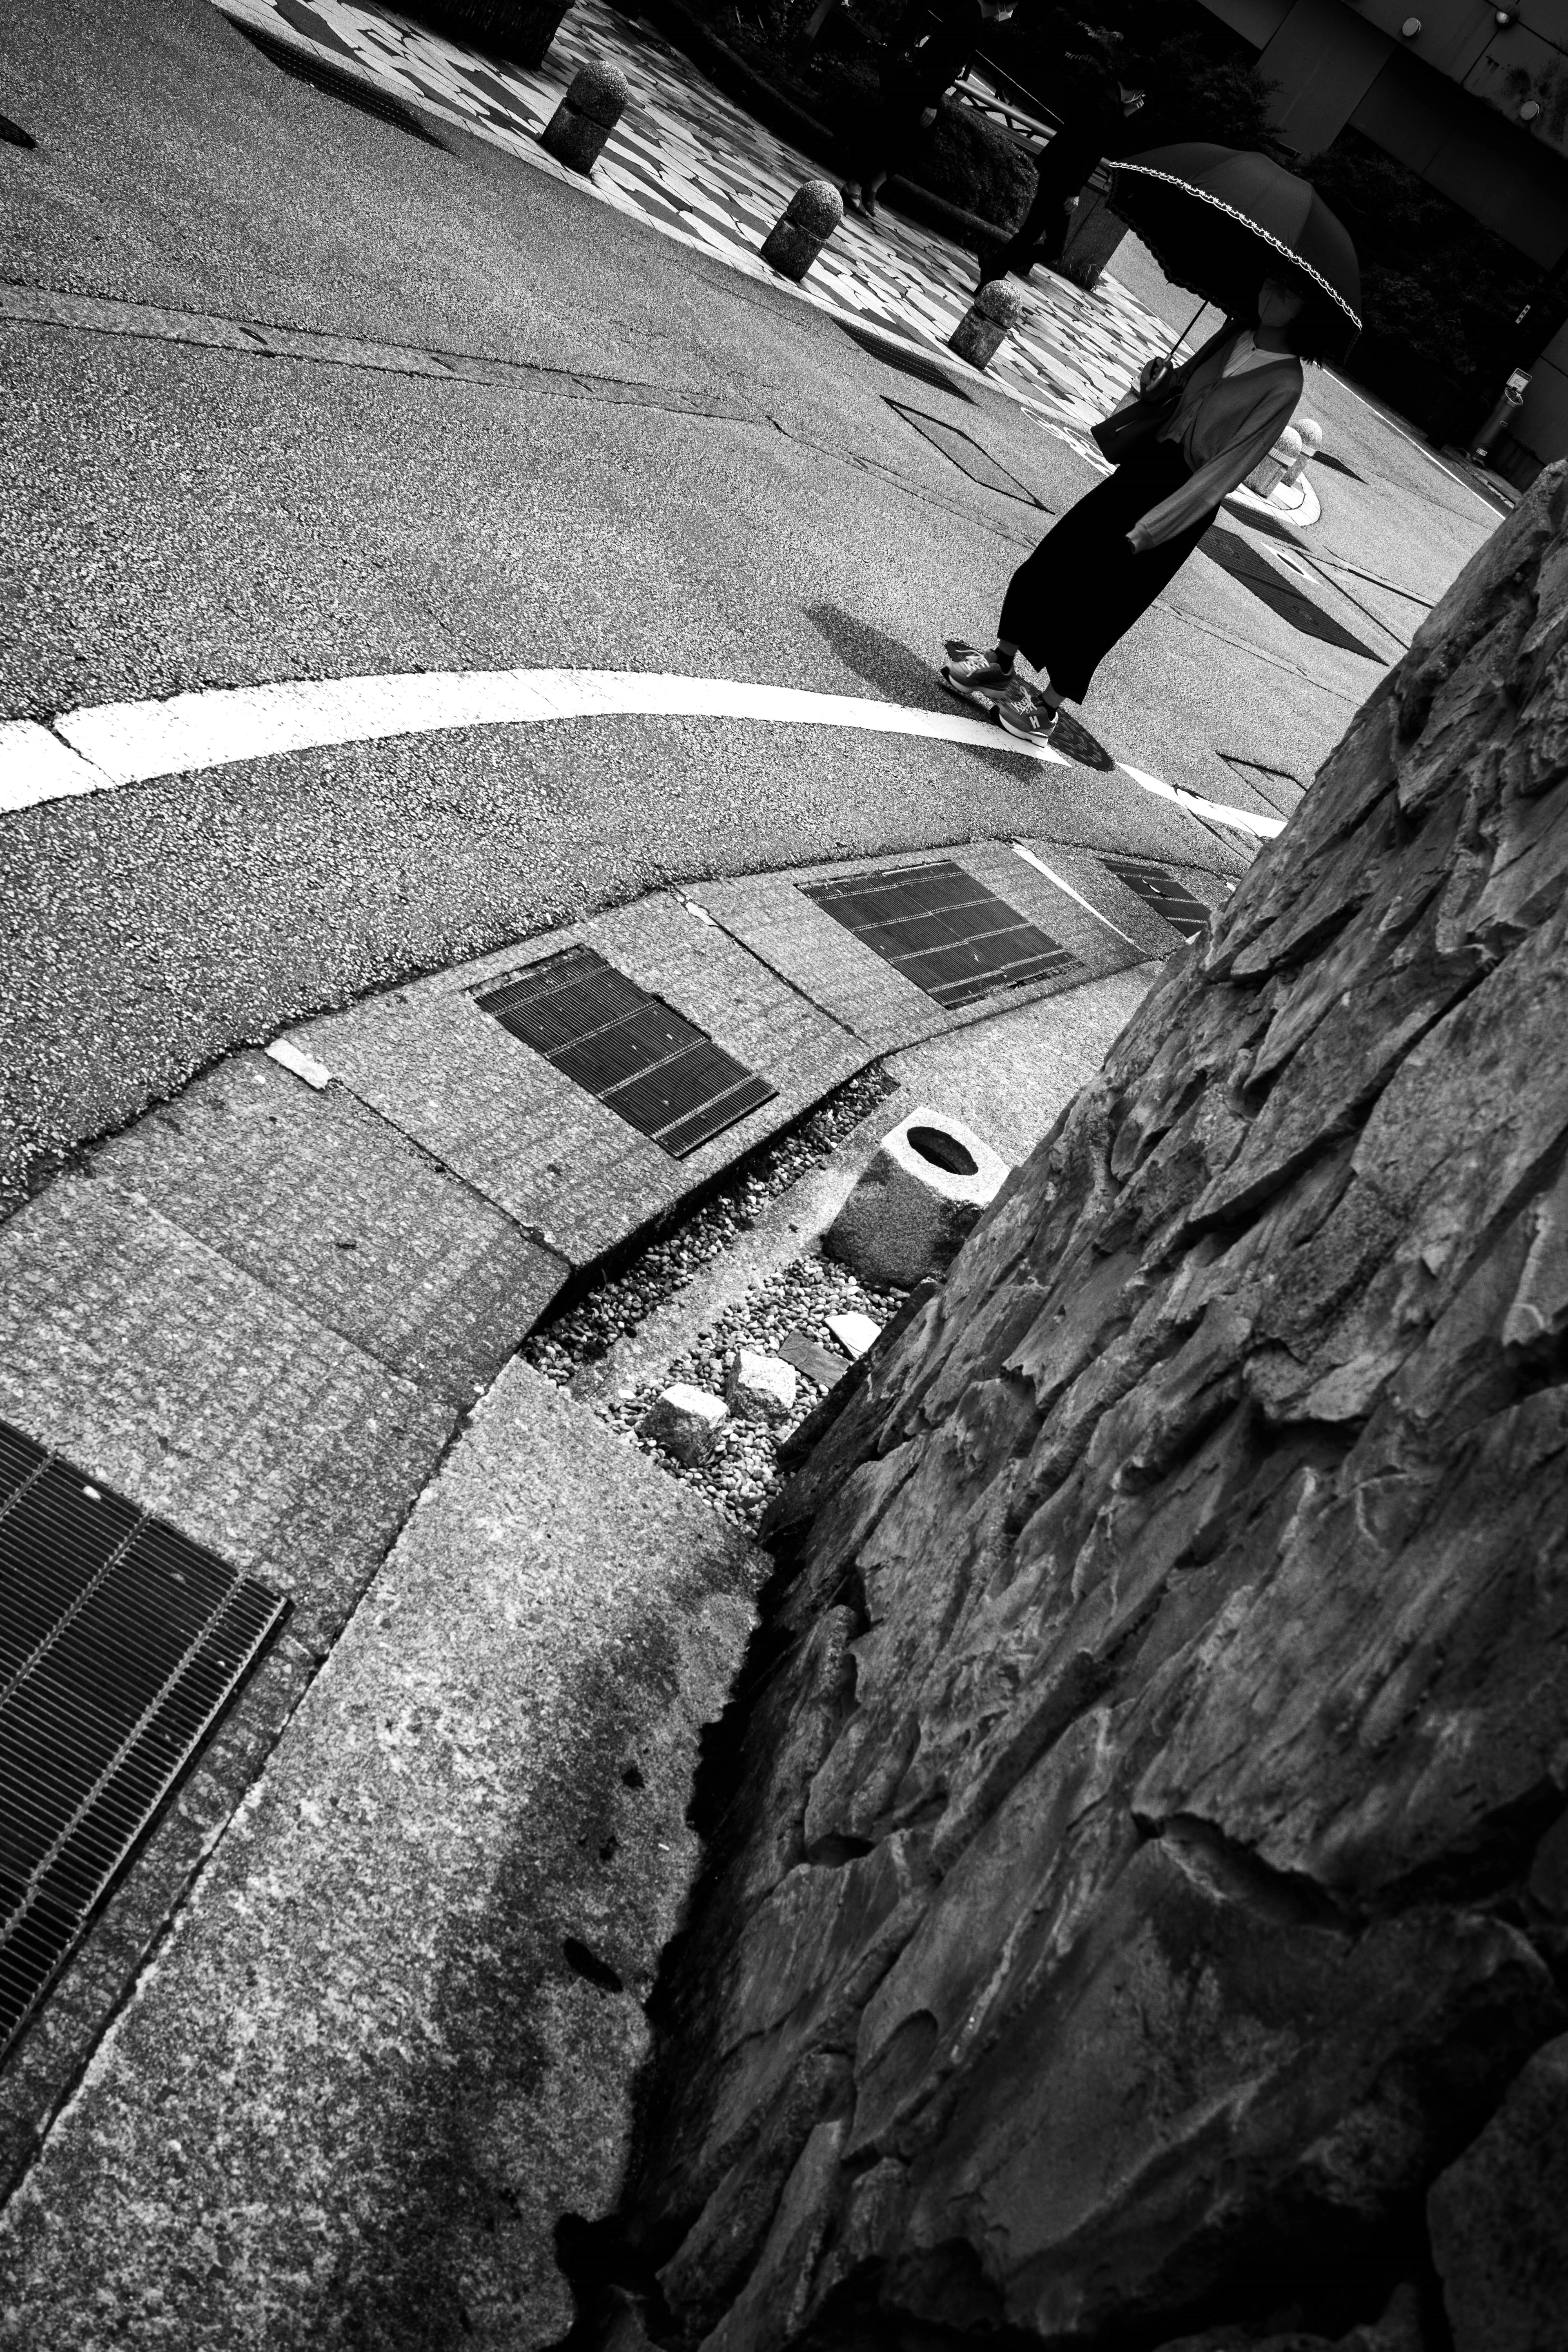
(131, 743)
(35, 765)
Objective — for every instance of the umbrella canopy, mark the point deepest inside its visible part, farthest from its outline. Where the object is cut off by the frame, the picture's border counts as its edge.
(1218, 220)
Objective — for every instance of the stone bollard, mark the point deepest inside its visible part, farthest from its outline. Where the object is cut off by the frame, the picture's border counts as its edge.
(1276, 467)
(921, 1191)
(988, 321)
(803, 228)
(1311, 442)
(576, 132)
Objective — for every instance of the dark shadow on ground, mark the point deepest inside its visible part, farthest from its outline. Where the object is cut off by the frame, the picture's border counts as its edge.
(881, 660)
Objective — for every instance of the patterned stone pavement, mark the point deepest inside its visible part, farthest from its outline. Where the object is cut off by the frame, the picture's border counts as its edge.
(699, 169)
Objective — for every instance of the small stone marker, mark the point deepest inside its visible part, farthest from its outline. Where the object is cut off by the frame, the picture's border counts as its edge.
(988, 321)
(761, 1388)
(803, 228)
(809, 1356)
(1311, 438)
(686, 1421)
(1276, 467)
(923, 1189)
(857, 1334)
(576, 132)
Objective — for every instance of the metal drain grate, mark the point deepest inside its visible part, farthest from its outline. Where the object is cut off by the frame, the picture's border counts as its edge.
(334, 81)
(600, 1029)
(961, 450)
(1255, 572)
(1159, 889)
(943, 929)
(120, 1642)
(899, 356)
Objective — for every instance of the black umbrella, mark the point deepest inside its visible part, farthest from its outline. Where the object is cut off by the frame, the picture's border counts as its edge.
(1218, 220)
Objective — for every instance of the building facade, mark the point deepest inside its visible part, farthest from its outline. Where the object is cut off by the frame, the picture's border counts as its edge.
(1474, 99)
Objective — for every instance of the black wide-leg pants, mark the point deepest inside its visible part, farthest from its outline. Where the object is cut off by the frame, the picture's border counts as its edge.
(1083, 587)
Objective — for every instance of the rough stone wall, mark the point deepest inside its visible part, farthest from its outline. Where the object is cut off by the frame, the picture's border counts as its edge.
(1139, 1886)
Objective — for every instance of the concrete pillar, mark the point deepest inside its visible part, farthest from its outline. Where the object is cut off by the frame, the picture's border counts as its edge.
(594, 102)
(803, 228)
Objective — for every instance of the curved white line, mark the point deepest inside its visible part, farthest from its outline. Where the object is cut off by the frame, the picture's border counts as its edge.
(116, 743)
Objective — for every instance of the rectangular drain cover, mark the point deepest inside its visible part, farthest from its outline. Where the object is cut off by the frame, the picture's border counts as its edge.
(600, 1029)
(1159, 889)
(120, 1644)
(942, 930)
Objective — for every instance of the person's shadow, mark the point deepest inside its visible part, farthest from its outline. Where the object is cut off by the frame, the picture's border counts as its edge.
(879, 659)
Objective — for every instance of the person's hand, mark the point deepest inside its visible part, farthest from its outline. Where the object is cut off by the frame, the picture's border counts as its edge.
(1151, 375)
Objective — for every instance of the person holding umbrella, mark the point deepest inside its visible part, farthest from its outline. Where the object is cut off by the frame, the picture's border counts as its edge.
(1240, 230)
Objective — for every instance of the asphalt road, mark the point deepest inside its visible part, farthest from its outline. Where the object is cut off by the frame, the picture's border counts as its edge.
(181, 516)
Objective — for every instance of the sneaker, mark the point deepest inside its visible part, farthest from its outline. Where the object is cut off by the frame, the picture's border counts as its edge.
(1023, 711)
(973, 674)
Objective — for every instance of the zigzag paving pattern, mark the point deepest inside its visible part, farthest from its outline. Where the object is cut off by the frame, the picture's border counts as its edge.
(695, 167)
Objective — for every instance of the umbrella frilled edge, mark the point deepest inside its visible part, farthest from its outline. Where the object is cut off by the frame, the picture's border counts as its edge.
(1352, 321)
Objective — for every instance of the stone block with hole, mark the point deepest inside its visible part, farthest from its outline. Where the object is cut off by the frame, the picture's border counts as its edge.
(921, 1191)
(686, 1421)
(760, 1388)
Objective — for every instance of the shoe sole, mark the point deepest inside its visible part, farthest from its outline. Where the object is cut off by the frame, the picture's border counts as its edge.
(1024, 734)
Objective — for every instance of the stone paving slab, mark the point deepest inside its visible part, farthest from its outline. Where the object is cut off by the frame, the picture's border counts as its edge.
(330, 1206)
(772, 914)
(366, 2074)
(553, 1158)
(157, 1367)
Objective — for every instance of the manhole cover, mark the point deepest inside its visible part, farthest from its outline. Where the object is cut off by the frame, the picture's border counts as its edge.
(943, 929)
(642, 1061)
(899, 356)
(961, 450)
(1158, 889)
(335, 82)
(1255, 572)
(120, 1644)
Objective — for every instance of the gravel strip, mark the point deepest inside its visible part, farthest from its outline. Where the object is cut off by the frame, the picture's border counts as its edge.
(591, 1326)
(742, 1474)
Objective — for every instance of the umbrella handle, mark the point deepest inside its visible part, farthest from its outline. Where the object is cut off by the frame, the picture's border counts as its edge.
(1186, 331)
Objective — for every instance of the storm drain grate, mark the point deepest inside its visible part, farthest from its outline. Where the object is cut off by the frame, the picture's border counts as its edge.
(943, 929)
(899, 356)
(335, 82)
(600, 1029)
(962, 449)
(1271, 588)
(120, 1642)
(1161, 890)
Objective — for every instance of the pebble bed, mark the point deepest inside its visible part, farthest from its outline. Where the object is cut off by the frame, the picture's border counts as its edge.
(592, 1325)
(742, 1472)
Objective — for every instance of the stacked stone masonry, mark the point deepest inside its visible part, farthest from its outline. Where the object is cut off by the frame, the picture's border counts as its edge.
(1137, 1901)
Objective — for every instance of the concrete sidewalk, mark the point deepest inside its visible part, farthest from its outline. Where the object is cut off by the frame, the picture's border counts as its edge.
(387, 2032)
